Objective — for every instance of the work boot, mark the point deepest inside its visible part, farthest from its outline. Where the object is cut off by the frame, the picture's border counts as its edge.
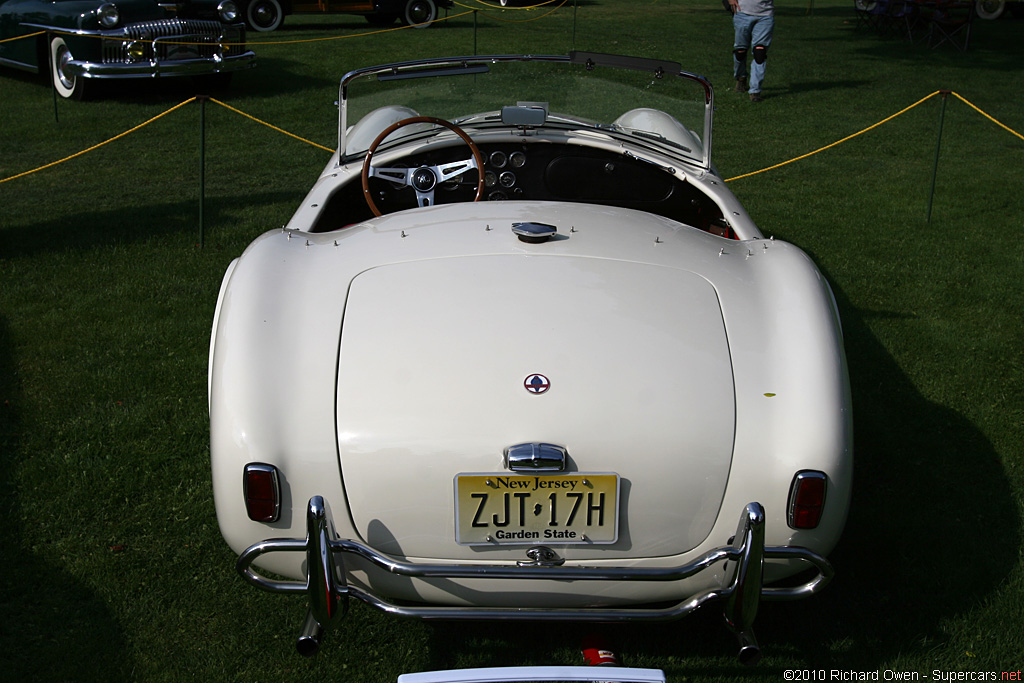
(741, 84)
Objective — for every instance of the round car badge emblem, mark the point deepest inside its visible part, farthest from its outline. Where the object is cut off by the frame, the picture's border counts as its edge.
(536, 384)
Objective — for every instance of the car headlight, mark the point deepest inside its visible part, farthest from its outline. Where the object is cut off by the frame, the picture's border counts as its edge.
(228, 11)
(108, 15)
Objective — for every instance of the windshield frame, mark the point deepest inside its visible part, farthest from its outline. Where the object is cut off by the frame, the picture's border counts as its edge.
(454, 66)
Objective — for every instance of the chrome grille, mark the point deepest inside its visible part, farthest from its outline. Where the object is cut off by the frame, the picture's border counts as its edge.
(191, 38)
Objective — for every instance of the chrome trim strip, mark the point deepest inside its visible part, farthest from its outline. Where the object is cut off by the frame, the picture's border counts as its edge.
(19, 65)
(122, 31)
(183, 67)
(534, 673)
(66, 31)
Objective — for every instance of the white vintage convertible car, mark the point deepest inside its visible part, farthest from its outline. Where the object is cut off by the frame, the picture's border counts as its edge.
(520, 354)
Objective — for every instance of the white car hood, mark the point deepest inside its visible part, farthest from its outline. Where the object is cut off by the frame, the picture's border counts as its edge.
(434, 354)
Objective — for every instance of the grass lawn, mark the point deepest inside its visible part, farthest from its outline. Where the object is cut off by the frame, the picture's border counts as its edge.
(113, 566)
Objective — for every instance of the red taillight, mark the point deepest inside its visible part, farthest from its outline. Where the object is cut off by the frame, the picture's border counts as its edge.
(806, 499)
(262, 492)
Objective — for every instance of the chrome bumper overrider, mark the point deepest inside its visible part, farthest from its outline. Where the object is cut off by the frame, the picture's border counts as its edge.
(328, 590)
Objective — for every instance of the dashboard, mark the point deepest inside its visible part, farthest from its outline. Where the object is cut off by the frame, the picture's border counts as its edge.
(542, 171)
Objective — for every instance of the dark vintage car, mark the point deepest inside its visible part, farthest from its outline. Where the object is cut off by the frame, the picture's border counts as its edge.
(78, 41)
(267, 15)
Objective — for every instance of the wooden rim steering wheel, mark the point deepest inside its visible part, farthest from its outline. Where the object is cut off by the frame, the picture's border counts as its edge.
(423, 179)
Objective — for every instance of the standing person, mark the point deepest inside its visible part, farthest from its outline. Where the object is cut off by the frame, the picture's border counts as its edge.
(753, 22)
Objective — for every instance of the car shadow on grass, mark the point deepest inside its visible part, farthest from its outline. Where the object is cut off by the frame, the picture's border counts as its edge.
(933, 531)
(52, 626)
(128, 225)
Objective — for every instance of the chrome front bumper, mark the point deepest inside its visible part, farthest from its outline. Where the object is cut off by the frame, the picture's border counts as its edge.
(171, 47)
(328, 590)
(155, 68)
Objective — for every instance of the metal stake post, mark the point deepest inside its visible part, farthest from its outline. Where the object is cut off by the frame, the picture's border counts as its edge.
(938, 146)
(202, 165)
(575, 8)
(53, 70)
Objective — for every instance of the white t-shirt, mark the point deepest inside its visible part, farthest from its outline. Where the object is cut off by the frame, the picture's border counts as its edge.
(757, 8)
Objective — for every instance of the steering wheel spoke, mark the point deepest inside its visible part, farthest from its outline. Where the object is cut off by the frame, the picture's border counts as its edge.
(400, 176)
(423, 179)
(454, 169)
(424, 198)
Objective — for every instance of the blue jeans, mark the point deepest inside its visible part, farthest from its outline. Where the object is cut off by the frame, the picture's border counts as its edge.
(751, 31)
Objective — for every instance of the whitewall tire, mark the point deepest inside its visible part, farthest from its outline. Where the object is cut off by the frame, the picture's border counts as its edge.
(264, 15)
(66, 84)
(990, 9)
(419, 13)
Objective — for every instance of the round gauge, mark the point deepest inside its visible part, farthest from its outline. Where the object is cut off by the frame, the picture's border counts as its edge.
(490, 179)
(517, 159)
(496, 196)
(498, 159)
(507, 179)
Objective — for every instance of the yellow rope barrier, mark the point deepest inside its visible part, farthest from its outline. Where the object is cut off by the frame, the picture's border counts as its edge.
(106, 142)
(354, 35)
(27, 35)
(328, 149)
(837, 142)
(250, 43)
(1001, 125)
(279, 130)
(493, 5)
(523, 21)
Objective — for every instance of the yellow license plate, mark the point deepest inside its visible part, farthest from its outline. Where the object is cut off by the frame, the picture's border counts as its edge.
(518, 509)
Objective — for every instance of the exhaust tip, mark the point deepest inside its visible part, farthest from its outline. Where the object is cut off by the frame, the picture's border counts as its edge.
(307, 646)
(750, 651)
(308, 643)
(749, 655)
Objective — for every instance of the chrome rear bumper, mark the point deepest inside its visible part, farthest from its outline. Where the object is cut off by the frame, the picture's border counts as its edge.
(328, 590)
